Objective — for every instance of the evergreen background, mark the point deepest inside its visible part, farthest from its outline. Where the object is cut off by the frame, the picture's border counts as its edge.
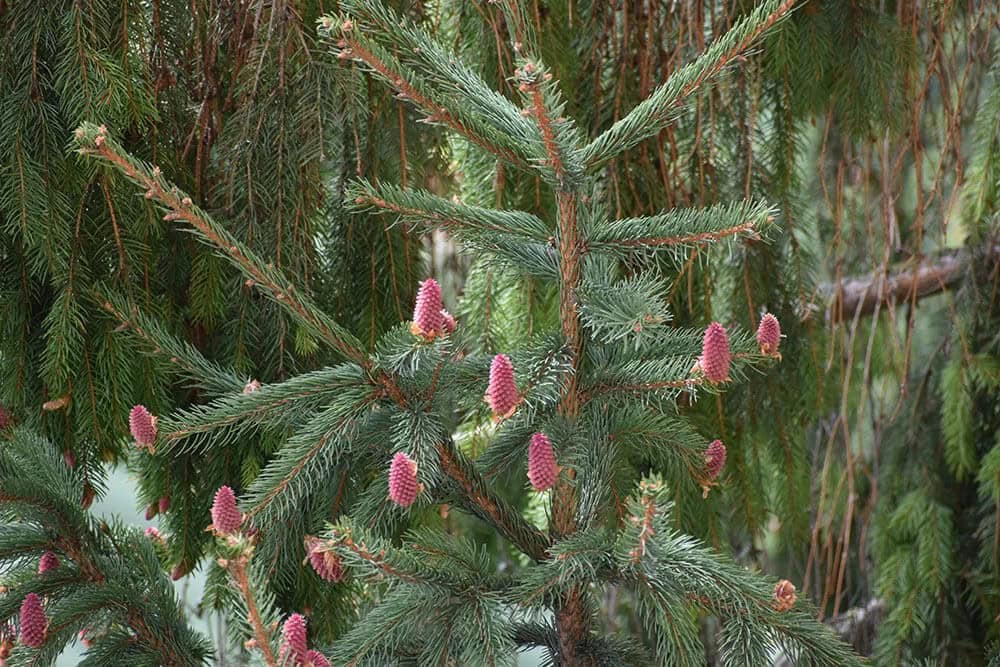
(867, 470)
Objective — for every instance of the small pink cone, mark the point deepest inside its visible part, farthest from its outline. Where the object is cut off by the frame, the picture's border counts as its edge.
(226, 517)
(715, 458)
(163, 504)
(784, 595)
(151, 511)
(5, 418)
(428, 321)
(769, 335)
(325, 562)
(448, 321)
(316, 659)
(403, 484)
(34, 624)
(294, 643)
(143, 426)
(501, 393)
(48, 562)
(714, 360)
(542, 468)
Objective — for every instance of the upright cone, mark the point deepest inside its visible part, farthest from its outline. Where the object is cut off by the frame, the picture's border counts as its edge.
(226, 517)
(34, 624)
(294, 644)
(428, 319)
(769, 335)
(715, 458)
(403, 485)
(48, 562)
(501, 393)
(143, 426)
(542, 468)
(715, 357)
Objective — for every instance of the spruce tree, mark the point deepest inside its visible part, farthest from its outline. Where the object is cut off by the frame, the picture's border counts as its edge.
(583, 405)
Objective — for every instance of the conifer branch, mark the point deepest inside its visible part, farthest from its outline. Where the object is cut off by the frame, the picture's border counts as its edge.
(94, 141)
(237, 569)
(192, 363)
(112, 569)
(353, 45)
(465, 221)
(477, 497)
(659, 109)
(683, 227)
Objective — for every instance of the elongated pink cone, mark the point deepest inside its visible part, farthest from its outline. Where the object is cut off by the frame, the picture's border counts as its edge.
(715, 458)
(69, 458)
(784, 595)
(164, 504)
(180, 571)
(142, 425)
(316, 659)
(48, 562)
(294, 638)
(427, 318)
(325, 561)
(151, 511)
(501, 393)
(714, 360)
(154, 534)
(769, 334)
(542, 468)
(403, 485)
(5, 418)
(448, 321)
(226, 517)
(34, 624)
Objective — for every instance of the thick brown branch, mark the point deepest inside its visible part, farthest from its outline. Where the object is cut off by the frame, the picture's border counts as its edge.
(859, 296)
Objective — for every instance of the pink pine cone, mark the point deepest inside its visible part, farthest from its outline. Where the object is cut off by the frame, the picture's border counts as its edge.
(326, 562)
(403, 485)
(715, 458)
(48, 562)
(316, 659)
(153, 533)
(714, 360)
(5, 418)
(226, 517)
(294, 635)
(542, 468)
(427, 313)
(164, 504)
(769, 334)
(501, 393)
(34, 624)
(142, 425)
(448, 321)
(784, 595)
